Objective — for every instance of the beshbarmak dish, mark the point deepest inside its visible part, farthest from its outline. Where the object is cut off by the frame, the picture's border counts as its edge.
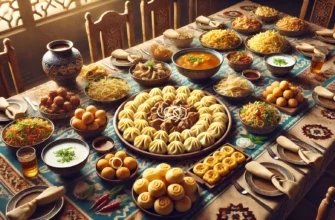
(159, 123)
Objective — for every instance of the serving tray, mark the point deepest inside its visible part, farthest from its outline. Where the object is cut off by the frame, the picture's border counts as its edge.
(168, 157)
(226, 179)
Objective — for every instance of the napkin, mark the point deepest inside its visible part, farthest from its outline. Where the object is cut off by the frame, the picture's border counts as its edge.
(48, 196)
(326, 33)
(306, 155)
(324, 92)
(204, 20)
(287, 187)
(310, 48)
(9, 111)
(120, 54)
(170, 33)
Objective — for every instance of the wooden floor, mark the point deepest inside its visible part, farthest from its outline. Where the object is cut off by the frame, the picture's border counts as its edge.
(307, 208)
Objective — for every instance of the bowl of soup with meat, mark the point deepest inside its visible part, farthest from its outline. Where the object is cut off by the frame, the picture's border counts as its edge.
(197, 63)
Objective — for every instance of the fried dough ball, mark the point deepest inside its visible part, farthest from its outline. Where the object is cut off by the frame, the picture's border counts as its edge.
(59, 100)
(292, 103)
(288, 94)
(102, 163)
(275, 84)
(62, 92)
(265, 93)
(53, 94)
(67, 106)
(281, 102)
(271, 98)
(277, 92)
(108, 173)
(79, 113)
(75, 101)
(123, 173)
(44, 101)
(299, 97)
(284, 85)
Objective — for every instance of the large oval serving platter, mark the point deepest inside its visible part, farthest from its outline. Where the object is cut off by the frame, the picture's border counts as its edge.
(166, 157)
(284, 50)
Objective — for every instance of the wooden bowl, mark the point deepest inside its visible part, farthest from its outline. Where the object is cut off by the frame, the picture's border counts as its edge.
(174, 215)
(261, 131)
(102, 151)
(292, 33)
(286, 49)
(116, 181)
(239, 67)
(266, 19)
(69, 170)
(182, 43)
(222, 49)
(167, 157)
(197, 75)
(38, 146)
(55, 117)
(109, 101)
(154, 82)
(249, 78)
(90, 134)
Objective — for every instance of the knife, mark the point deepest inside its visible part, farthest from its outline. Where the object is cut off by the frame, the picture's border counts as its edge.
(325, 93)
(29, 102)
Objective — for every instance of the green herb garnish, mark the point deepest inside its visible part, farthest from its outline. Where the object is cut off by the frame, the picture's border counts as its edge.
(194, 59)
(65, 154)
(255, 139)
(150, 64)
(279, 61)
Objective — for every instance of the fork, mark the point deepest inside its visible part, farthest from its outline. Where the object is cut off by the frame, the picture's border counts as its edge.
(145, 51)
(274, 156)
(111, 67)
(243, 191)
(196, 29)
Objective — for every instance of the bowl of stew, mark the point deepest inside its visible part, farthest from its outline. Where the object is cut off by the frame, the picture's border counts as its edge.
(239, 60)
(197, 63)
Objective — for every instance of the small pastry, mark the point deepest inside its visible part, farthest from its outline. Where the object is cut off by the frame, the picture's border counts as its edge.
(162, 169)
(230, 162)
(163, 206)
(211, 177)
(221, 168)
(183, 205)
(175, 175)
(228, 150)
(189, 184)
(115, 162)
(130, 163)
(193, 196)
(211, 161)
(220, 155)
(145, 200)
(122, 173)
(157, 188)
(175, 191)
(150, 174)
(200, 169)
(239, 157)
(141, 186)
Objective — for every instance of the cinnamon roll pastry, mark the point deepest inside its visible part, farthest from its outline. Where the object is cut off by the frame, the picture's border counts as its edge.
(145, 200)
(141, 186)
(161, 169)
(163, 206)
(157, 188)
(150, 174)
(189, 184)
(175, 191)
(183, 205)
(175, 175)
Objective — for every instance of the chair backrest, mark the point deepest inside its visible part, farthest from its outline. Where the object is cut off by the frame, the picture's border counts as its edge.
(160, 11)
(199, 7)
(326, 209)
(9, 57)
(321, 13)
(110, 29)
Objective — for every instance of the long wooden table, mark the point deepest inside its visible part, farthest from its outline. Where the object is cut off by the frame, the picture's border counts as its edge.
(212, 204)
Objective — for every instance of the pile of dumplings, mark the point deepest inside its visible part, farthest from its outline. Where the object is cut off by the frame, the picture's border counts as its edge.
(219, 164)
(165, 189)
(136, 130)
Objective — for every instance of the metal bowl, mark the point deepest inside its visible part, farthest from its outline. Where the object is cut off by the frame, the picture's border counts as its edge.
(197, 75)
(38, 146)
(154, 82)
(69, 170)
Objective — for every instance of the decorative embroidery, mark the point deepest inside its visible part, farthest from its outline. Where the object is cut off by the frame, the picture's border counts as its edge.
(317, 132)
(248, 7)
(233, 14)
(328, 114)
(237, 212)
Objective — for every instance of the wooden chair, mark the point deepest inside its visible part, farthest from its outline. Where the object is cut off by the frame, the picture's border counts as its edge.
(9, 57)
(110, 28)
(321, 13)
(160, 11)
(198, 7)
(327, 207)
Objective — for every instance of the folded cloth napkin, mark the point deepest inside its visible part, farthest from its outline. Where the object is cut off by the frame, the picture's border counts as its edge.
(120, 54)
(326, 33)
(48, 196)
(287, 187)
(170, 33)
(324, 92)
(307, 156)
(204, 20)
(310, 48)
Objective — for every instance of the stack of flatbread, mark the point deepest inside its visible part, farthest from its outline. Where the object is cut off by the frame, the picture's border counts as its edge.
(124, 55)
(326, 33)
(207, 21)
(315, 49)
(170, 33)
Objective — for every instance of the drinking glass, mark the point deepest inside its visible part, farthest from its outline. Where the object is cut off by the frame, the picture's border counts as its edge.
(28, 161)
(318, 60)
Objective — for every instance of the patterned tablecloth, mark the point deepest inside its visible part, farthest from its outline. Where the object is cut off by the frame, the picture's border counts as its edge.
(308, 125)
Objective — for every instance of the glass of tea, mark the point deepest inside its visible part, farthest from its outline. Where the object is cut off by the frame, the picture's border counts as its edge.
(318, 60)
(28, 161)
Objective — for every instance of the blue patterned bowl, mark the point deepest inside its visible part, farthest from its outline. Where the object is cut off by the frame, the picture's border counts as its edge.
(62, 63)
